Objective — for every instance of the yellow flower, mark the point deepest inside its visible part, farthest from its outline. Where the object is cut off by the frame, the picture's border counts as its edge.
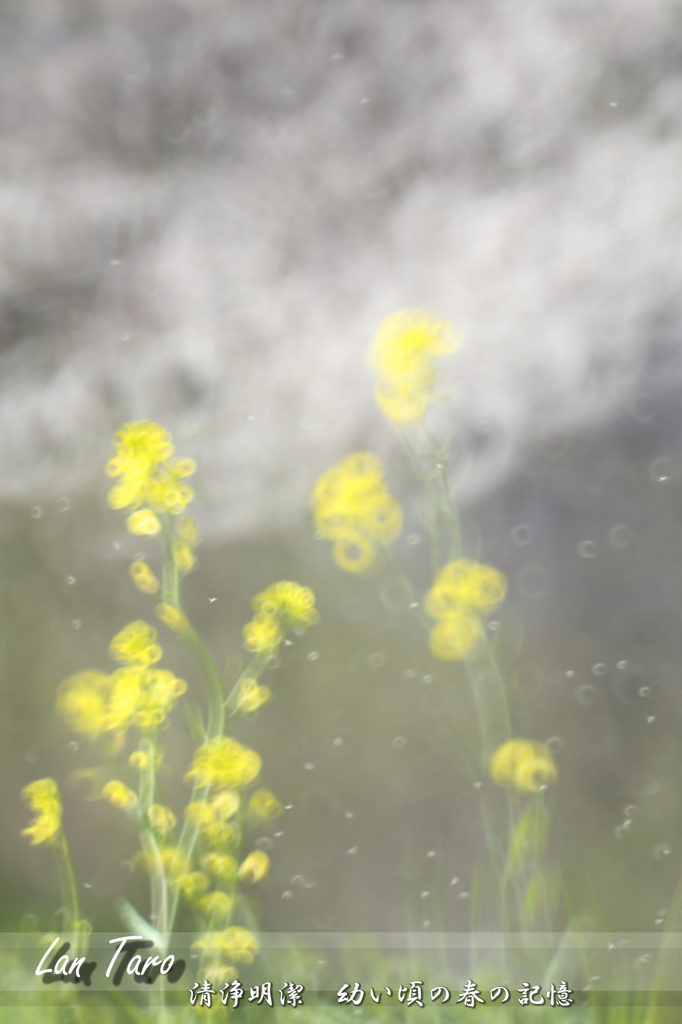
(403, 355)
(164, 489)
(224, 763)
(252, 696)
(216, 905)
(42, 796)
(199, 812)
(140, 759)
(144, 523)
(143, 578)
(263, 633)
(161, 819)
(254, 868)
(82, 702)
(222, 865)
(352, 506)
(456, 637)
(175, 862)
(524, 765)
(354, 553)
(237, 944)
(291, 603)
(140, 448)
(219, 835)
(264, 805)
(192, 885)
(466, 583)
(221, 974)
(119, 795)
(183, 556)
(136, 644)
(171, 617)
(224, 805)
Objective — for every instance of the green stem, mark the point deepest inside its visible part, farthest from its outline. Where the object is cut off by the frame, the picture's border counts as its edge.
(69, 891)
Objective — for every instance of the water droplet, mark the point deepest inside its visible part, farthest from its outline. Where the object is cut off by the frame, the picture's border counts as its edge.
(554, 744)
(377, 660)
(630, 811)
(599, 669)
(532, 581)
(338, 742)
(264, 843)
(349, 814)
(313, 656)
(74, 745)
(337, 56)
(87, 885)
(309, 766)
(425, 894)
(398, 741)
(426, 924)
(522, 535)
(622, 665)
(431, 853)
(140, 556)
(278, 835)
(318, 535)
(409, 673)
(661, 850)
(587, 549)
(642, 961)
(353, 850)
(463, 896)
(493, 625)
(64, 504)
(660, 470)
(570, 673)
(288, 807)
(76, 624)
(70, 580)
(621, 536)
(586, 694)
(413, 538)
(414, 604)
(287, 894)
(645, 691)
(477, 784)
(364, 100)
(212, 600)
(36, 512)
(454, 881)
(427, 679)
(650, 719)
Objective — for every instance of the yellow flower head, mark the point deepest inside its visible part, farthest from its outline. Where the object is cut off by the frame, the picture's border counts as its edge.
(144, 523)
(82, 702)
(524, 765)
(222, 865)
(456, 637)
(140, 448)
(136, 645)
(171, 617)
(264, 805)
(216, 905)
(164, 489)
(224, 763)
(183, 556)
(463, 583)
(42, 796)
(140, 759)
(263, 633)
(161, 819)
(403, 355)
(255, 867)
(199, 812)
(118, 794)
(237, 944)
(224, 805)
(352, 506)
(143, 578)
(192, 885)
(252, 696)
(220, 835)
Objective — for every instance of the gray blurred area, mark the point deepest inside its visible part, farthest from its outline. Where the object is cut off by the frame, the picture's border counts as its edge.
(206, 209)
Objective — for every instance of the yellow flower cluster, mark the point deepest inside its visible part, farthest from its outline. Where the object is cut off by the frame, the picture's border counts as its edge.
(462, 592)
(137, 694)
(42, 796)
(254, 868)
(352, 506)
(280, 608)
(237, 944)
(403, 355)
(148, 475)
(251, 696)
(119, 795)
(143, 578)
(524, 765)
(224, 763)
